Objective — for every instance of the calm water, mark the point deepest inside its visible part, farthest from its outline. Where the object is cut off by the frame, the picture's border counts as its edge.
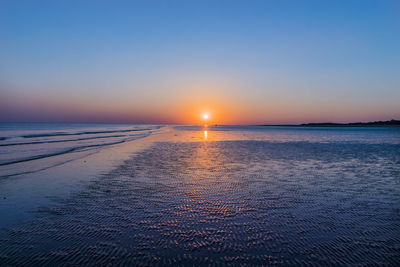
(229, 195)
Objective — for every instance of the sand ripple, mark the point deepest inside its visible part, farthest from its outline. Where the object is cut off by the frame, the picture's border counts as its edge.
(230, 203)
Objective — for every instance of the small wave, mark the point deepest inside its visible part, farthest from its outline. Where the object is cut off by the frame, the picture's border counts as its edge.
(60, 141)
(70, 150)
(43, 168)
(82, 133)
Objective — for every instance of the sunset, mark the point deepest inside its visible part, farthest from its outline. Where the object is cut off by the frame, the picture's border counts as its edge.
(199, 133)
(268, 62)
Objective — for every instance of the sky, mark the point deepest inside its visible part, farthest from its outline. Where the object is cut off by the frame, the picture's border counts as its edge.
(169, 61)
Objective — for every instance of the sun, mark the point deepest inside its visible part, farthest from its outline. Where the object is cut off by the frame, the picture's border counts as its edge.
(206, 116)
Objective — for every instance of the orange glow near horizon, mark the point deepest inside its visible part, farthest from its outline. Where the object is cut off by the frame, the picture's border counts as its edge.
(185, 103)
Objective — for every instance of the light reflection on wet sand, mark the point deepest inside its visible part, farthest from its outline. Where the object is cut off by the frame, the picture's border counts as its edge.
(209, 197)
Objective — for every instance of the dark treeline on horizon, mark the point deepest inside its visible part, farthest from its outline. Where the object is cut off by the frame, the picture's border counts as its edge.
(332, 124)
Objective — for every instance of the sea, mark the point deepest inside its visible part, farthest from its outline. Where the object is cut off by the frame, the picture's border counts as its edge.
(199, 195)
(26, 142)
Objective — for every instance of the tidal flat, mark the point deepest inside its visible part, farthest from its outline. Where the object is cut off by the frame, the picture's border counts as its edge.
(192, 195)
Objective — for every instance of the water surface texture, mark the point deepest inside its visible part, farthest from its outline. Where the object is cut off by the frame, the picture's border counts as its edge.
(25, 142)
(229, 196)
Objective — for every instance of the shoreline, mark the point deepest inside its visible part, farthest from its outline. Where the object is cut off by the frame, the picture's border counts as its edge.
(391, 123)
(331, 125)
(57, 177)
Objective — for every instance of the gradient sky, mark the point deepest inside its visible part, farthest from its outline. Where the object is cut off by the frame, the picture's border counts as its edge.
(244, 62)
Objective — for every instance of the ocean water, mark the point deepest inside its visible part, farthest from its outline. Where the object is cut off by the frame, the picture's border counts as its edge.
(229, 196)
(366, 135)
(25, 142)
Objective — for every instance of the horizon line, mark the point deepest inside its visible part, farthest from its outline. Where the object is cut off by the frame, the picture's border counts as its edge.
(395, 121)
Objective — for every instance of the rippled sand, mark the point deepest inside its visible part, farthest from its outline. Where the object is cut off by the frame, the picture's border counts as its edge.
(197, 199)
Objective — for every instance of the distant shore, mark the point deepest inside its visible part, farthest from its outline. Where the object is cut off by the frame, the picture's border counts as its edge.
(389, 123)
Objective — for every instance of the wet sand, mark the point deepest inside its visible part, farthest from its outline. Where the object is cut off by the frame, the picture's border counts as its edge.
(230, 198)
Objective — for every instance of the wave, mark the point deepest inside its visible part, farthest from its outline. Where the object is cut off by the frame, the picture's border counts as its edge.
(82, 133)
(66, 151)
(74, 149)
(60, 141)
(43, 168)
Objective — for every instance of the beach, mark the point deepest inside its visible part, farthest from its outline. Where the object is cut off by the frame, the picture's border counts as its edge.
(209, 195)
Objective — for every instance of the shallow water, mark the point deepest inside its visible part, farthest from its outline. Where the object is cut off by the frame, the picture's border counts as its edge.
(25, 142)
(234, 197)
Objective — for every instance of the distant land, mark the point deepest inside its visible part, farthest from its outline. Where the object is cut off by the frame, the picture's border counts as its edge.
(352, 124)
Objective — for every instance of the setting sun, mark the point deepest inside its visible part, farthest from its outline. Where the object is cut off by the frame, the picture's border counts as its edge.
(199, 132)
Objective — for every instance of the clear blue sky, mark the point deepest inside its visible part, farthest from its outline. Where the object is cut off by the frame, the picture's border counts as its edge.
(244, 61)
